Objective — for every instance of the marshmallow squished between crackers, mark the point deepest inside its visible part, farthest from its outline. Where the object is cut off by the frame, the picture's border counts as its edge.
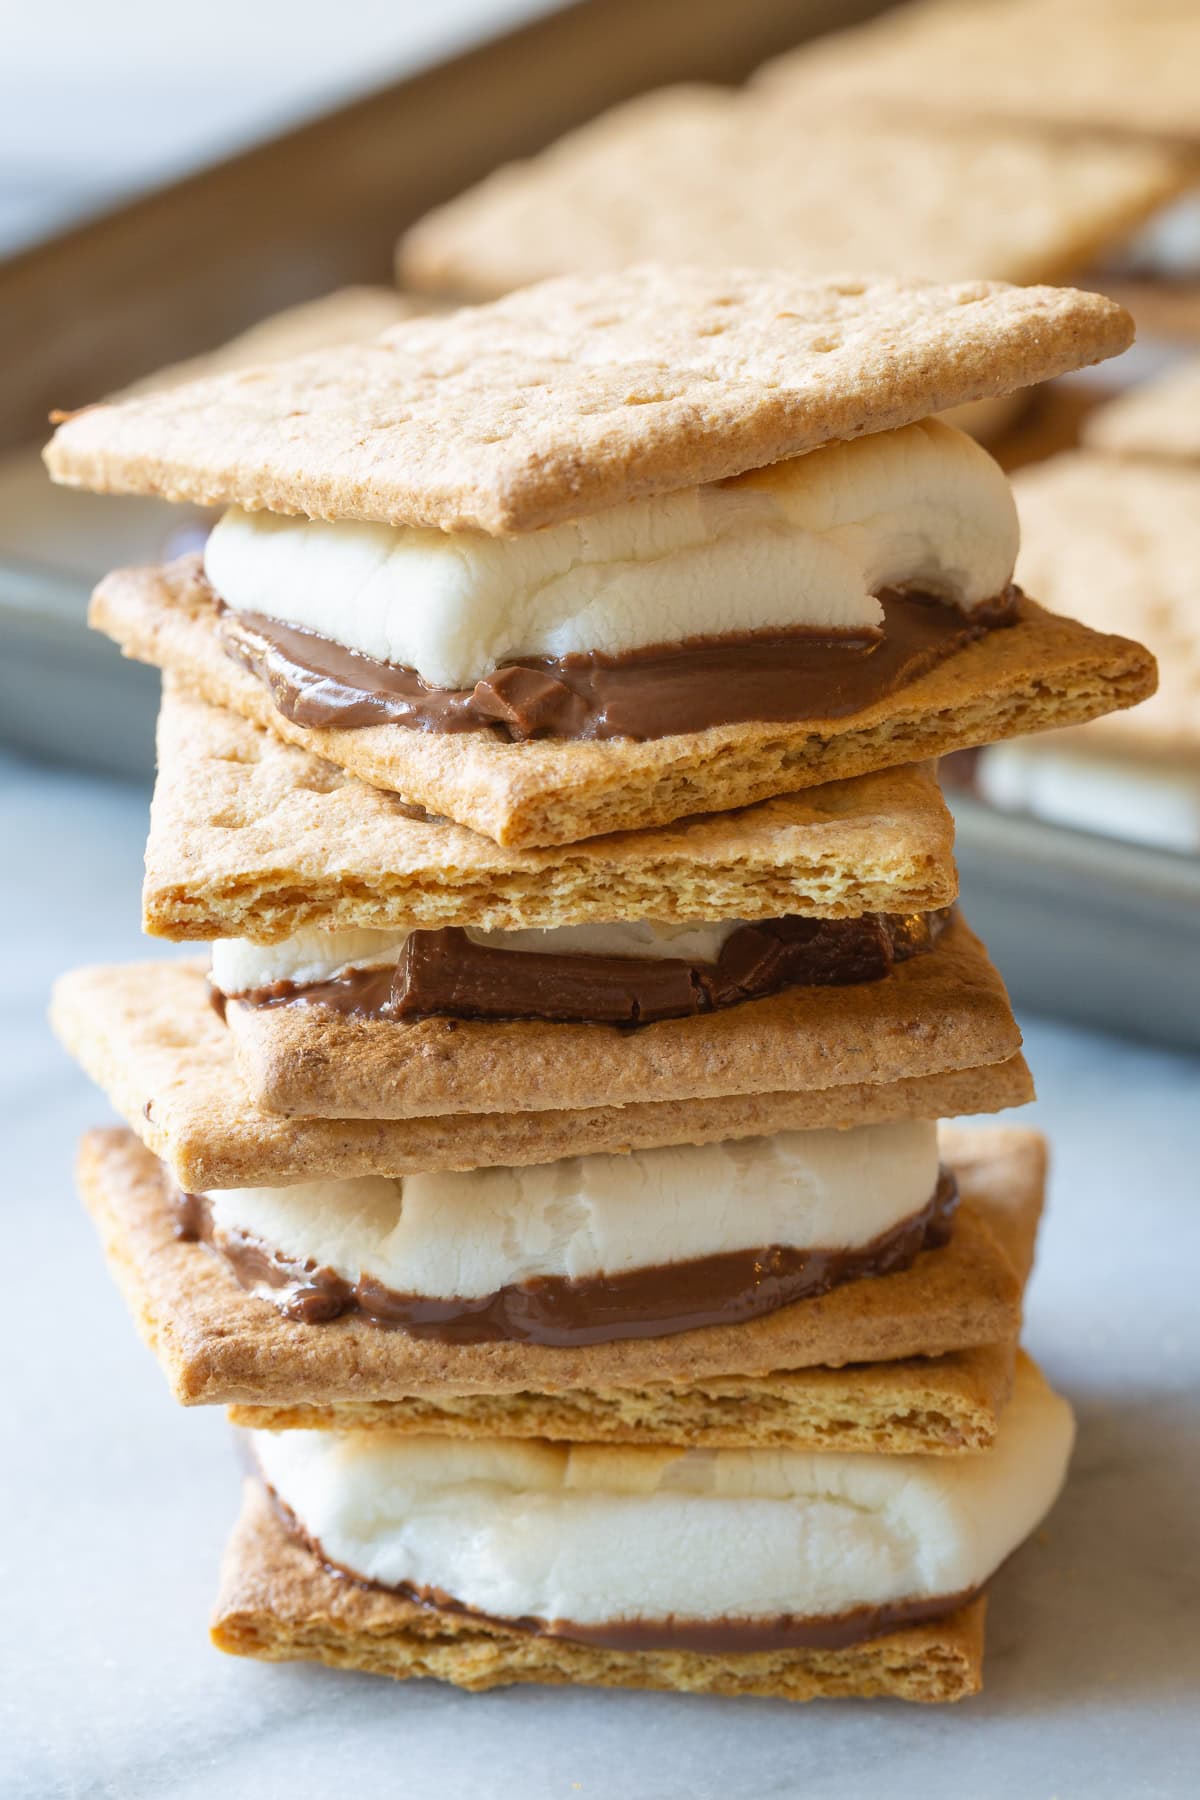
(1045, 672)
(219, 1344)
(807, 543)
(591, 1535)
(473, 1233)
(581, 1537)
(239, 966)
(278, 1602)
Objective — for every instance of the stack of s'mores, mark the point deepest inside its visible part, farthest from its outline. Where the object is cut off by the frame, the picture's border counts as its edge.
(546, 1166)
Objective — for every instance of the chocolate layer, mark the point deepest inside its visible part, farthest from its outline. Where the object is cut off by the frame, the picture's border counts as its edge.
(703, 1637)
(445, 974)
(654, 1302)
(655, 692)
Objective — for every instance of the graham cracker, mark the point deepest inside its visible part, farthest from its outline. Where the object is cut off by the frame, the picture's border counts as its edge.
(1043, 672)
(279, 1603)
(1118, 541)
(1105, 64)
(691, 174)
(928, 1406)
(252, 838)
(147, 1035)
(1158, 419)
(348, 315)
(219, 1345)
(578, 394)
(317, 1063)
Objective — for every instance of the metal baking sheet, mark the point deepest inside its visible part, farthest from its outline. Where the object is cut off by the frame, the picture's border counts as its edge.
(1083, 927)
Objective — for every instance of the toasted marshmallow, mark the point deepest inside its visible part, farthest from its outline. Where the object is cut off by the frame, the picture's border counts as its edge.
(604, 1533)
(470, 1234)
(238, 966)
(1153, 802)
(806, 543)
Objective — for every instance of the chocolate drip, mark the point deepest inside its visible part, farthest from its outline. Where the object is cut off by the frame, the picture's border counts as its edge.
(725, 1289)
(445, 974)
(747, 1637)
(653, 692)
(699, 1637)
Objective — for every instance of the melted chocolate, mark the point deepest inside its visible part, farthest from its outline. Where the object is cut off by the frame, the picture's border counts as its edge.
(654, 692)
(655, 1302)
(699, 1637)
(445, 974)
(746, 1637)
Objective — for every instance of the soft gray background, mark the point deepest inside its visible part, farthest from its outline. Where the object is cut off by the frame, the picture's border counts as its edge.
(116, 1502)
(99, 101)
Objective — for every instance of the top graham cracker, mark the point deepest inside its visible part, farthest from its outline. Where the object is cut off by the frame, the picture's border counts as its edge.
(579, 394)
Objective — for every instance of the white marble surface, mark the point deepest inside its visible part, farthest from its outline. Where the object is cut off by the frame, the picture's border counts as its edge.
(115, 1502)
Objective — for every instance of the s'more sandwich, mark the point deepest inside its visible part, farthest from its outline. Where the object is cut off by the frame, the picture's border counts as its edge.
(616, 550)
(859, 1287)
(778, 1573)
(861, 1415)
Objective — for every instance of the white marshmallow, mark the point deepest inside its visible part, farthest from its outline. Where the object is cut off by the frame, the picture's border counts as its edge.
(596, 1534)
(469, 1234)
(1155, 803)
(629, 937)
(238, 966)
(805, 543)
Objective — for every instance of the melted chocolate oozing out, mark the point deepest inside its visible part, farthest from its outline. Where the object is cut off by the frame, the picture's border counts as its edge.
(702, 1637)
(725, 1289)
(653, 692)
(445, 974)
